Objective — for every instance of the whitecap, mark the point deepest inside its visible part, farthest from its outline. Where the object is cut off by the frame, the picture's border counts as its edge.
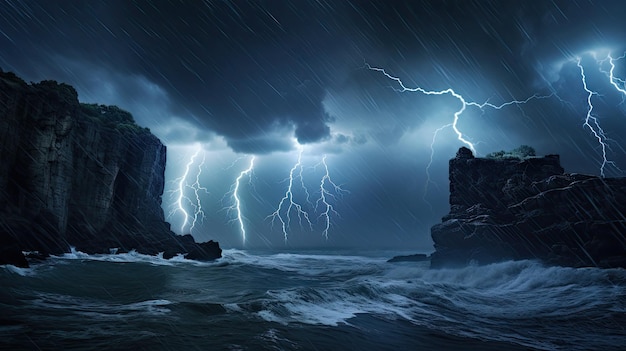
(134, 257)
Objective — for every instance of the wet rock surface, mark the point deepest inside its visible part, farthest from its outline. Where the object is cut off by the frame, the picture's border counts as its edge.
(529, 208)
(80, 175)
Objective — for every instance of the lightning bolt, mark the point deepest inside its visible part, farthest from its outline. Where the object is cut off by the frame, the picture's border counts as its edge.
(618, 83)
(464, 103)
(457, 115)
(237, 200)
(285, 219)
(325, 194)
(183, 200)
(198, 213)
(430, 163)
(448, 91)
(591, 120)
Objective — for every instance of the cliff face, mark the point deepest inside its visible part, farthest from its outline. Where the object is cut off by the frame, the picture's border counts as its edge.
(529, 208)
(80, 175)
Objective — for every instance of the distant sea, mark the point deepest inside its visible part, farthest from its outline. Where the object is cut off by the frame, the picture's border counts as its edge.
(306, 301)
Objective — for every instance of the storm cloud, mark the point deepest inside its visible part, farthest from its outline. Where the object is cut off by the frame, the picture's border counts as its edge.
(279, 79)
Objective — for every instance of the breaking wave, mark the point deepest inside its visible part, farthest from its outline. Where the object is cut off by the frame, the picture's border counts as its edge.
(274, 297)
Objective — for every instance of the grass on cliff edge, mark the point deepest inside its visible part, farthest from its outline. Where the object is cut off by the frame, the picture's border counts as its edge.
(522, 152)
(112, 117)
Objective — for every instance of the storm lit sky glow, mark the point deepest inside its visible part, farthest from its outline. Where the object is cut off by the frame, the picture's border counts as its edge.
(344, 154)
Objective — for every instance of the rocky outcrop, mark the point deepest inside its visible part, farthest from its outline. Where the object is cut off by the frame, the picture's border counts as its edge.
(410, 258)
(511, 208)
(80, 175)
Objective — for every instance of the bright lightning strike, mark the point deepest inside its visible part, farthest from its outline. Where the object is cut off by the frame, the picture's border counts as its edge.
(288, 200)
(618, 83)
(198, 213)
(183, 201)
(591, 121)
(430, 162)
(237, 200)
(448, 91)
(181, 194)
(335, 190)
(464, 103)
(597, 131)
(456, 116)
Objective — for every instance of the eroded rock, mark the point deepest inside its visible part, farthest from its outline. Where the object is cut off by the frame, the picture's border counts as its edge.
(529, 208)
(80, 175)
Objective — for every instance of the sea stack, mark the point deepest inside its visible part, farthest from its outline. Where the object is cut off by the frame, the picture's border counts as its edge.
(508, 207)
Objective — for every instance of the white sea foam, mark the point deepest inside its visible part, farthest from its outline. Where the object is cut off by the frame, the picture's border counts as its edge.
(337, 304)
(471, 301)
(131, 256)
(135, 257)
(501, 302)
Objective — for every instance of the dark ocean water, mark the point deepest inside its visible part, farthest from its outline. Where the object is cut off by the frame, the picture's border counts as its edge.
(307, 301)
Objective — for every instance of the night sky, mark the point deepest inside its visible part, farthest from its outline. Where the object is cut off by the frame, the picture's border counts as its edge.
(283, 81)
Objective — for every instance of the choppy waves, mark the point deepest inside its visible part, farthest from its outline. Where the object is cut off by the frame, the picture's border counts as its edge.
(520, 303)
(133, 257)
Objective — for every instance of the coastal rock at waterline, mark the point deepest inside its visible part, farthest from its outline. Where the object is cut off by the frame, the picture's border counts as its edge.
(80, 175)
(526, 208)
(10, 253)
(410, 258)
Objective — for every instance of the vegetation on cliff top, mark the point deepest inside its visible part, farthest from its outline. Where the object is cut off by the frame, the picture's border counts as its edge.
(522, 152)
(112, 117)
(48, 90)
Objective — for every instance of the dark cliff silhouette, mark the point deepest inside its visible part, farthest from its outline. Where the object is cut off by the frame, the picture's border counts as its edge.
(524, 208)
(80, 175)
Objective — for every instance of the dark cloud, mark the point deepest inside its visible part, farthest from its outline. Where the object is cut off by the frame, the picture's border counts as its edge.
(240, 68)
(312, 131)
(261, 77)
(260, 145)
(243, 69)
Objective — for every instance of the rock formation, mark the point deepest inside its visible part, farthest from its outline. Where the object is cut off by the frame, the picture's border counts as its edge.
(410, 258)
(79, 175)
(512, 208)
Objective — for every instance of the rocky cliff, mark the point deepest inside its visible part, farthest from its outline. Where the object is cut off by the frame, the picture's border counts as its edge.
(524, 208)
(79, 175)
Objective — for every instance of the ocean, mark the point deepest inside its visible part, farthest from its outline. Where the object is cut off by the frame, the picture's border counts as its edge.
(307, 301)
